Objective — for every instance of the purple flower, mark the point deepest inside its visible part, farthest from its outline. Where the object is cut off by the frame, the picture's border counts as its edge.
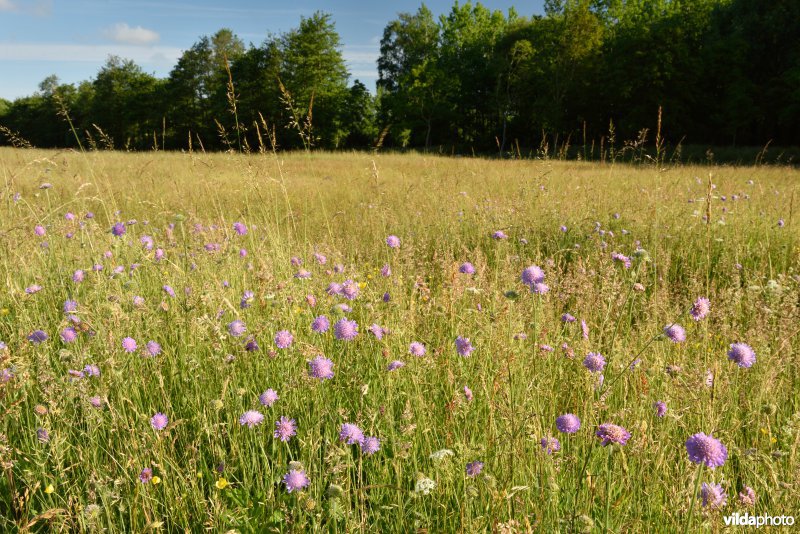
(345, 329)
(92, 370)
(169, 291)
(700, 308)
(68, 335)
(661, 408)
(463, 346)
(499, 234)
(285, 428)
(236, 328)
(295, 480)
(620, 258)
(550, 445)
(349, 290)
(351, 434)
(713, 495)
(159, 421)
(540, 288)
(378, 331)
(584, 329)
(611, 433)
(247, 299)
(468, 394)
(153, 349)
(567, 318)
(302, 274)
(595, 362)
(466, 268)
(532, 275)
(138, 301)
(35, 288)
(742, 354)
(386, 271)
(703, 449)
(283, 339)
(781, 223)
(70, 306)
(747, 497)
(334, 289)
(417, 349)
(42, 435)
(146, 475)
(96, 402)
(568, 423)
(370, 445)
(320, 324)
(37, 336)
(251, 345)
(474, 469)
(563, 228)
(39, 230)
(147, 242)
(240, 228)
(129, 344)
(320, 368)
(395, 365)
(118, 229)
(675, 333)
(268, 398)
(297, 262)
(393, 241)
(78, 276)
(251, 418)
(321, 259)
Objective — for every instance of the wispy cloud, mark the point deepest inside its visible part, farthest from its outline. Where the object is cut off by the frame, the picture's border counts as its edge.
(7, 5)
(122, 33)
(79, 53)
(39, 8)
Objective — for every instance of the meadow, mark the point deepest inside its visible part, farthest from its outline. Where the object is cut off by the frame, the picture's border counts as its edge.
(165, 363)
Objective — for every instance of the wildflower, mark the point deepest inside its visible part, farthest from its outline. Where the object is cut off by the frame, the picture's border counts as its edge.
(31, 290)
(152, 349)
(240, 228)
(700, 308)
(295, 480)
(169, 291)
(349, 290)
(378, 331)
(713, 495)
(417, 349)
(584, 329)
(285, 428)
(320, 324)
(568, 423)
(370, 445)
(393, 241)
(441, 454)
(159, 421)
(42, 435)
(129, 344)
(78, 276)
(621, 258)
(96, 402)
(345, 329)
(37, 336)
(320, 368)
(611, 433)
(468, 394)
(268, 398)
(49, 489)
(550, 445)
(661, 408)
(424, 485)
(236, 328)
(386, 271)
(499, 234)
(395, 365)
(283, 339)
(568, 318)
(251, 418)
(532, 275)
(474, 469)
(321, 259)
(675, 333)
(156, 480)
(70, 306)
(594, 362)
(466, 268)
(703, 449)
(118, 229)
(68, 335)
(221, 483)
(351, 434)
(146, 475)
(463, 346)
(540, 288)
(92, 370)
(742, 354)
(747, 497)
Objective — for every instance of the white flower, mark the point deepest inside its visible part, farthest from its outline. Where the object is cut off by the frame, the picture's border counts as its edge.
(441, 454)
(424, 486)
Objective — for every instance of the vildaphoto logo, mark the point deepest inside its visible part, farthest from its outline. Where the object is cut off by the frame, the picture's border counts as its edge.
(758, 521)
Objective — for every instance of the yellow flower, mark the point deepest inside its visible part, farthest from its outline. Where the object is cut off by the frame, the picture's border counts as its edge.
(156, 480)
(362, 285)
(199, 475)
(221, 483)
(369, 277)
(49, 489)
(4, 311)
(763, 430)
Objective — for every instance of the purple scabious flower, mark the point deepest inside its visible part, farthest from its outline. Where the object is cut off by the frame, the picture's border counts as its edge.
(395, 365)
(621, 258)
(118, 229)
(240, 228)
(532, 275)
(611, 433)
(35, 288)
(311, 300)
(742, 354)
(463, 346)
(703, 449)
(321, 259)
(351, 434)
(70, 306)
(295, 480)
(251, 418)
(386, 271)
(251, 345)
(320, 368)
(675, 333)
(466, 268)
(283, 339)
(68, 335)
(297, 262)
(584, 329)
(169, 291)
(700, 308)
(747, 497)
(563, 228)
(146, 475)
(39, 230)
(393, 241)
(344, 308)
(320, 324)
(474, 468)
(499, 234)
(594, 362)
(285, 428)
(247, 300)
(96, 402)
(146, 242)
(138, 301)
(92, 370)
(568, 423)
(713, 495)
(302, 274)
(417, 349)
(387, 297)
(540, 288)
(349, 290)
(78, 276)
(550, 444)
(378, 331)
(37, 336)
(345, 329)
(159, 421)
(661, 408)
(152, 349)
(334, 289)
(236, 328)
(370, 445)
(268, 398)
(129, 344)
(781, 223)
(468, 394)
(568, 318)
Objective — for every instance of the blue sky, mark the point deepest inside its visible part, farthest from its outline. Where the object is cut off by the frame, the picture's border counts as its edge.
(72, 38)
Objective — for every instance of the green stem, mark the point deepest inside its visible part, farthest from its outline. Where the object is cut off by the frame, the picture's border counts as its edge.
(694, 498)
(608, 491)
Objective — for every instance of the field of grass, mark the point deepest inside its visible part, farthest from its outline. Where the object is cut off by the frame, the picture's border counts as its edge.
(78, 433)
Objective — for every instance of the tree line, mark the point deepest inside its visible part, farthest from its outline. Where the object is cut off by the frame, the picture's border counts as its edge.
(721, 72)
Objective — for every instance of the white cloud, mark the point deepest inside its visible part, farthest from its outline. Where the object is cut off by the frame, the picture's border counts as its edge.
(7, 5)
(68, 53)
(122, 33)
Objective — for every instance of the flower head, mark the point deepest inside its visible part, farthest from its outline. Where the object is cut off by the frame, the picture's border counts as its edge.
(474, 469)
(320, 368)
(463, 346)
(595, 362)
(345, 329)
(240, 228)
(532, 275)
(146, 475)
(37, 336)
(129, 344)
(251, 418)
(742, 354)
(351, 434)
(295, 480)
(713, 495)
(268, 398)
(370, 445)
(236, 328)
(395, 365)
(321, 324)
(675, 333)
(703, 449)
(159, 421)
(568, 423)
(417, 349)
(700, 308)
(152, 349)
(393, 241)
(118, 229)
(611, 433)
(747, 497)
(661, 408)
(283, 339)
(550, 445)
(466, 268)
(285, 428)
